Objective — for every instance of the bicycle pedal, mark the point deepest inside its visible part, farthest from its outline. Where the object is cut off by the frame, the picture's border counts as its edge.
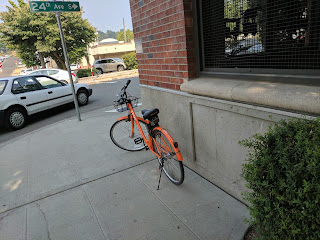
(138, 140)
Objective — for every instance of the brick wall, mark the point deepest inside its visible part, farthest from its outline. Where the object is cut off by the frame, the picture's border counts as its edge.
(164, 31)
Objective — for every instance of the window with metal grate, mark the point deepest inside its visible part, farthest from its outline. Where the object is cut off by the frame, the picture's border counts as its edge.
(269, 34)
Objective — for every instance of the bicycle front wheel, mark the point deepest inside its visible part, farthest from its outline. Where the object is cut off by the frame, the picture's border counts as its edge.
(126, 138)
(172, 167)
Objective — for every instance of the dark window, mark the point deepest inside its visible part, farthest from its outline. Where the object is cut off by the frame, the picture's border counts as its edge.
(104, 61)
(274, 34)
(22, 85)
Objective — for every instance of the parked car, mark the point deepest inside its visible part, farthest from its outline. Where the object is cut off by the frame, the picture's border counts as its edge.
(22, 96)
(74, 66)
(59, 74)
(254, 49)
(109, 65)
(26, 71)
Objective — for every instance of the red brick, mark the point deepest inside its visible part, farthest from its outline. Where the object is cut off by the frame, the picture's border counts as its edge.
(175, 32)
(178, 74)
(175, 80)
(183, 67)
(171, 86)
(173, 67)
(164, 85)
(144, 82)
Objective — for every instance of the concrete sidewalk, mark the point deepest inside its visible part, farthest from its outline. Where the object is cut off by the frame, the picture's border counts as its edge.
(69, 181)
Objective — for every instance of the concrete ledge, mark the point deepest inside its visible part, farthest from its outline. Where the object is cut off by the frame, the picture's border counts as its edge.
(293, 97)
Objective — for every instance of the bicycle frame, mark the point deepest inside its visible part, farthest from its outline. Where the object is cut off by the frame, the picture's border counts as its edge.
(149, 142)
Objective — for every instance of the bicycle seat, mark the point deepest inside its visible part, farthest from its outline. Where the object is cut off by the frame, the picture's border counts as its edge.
(147, 114)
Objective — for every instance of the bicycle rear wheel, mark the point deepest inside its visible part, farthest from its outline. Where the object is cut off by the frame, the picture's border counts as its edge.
(172, 167)
(121, 135)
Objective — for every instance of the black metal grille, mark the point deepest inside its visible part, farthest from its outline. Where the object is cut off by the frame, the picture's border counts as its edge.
(274, 34)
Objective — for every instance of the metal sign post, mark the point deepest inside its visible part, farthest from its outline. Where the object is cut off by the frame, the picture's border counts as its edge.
(57, 7)
(68, 65)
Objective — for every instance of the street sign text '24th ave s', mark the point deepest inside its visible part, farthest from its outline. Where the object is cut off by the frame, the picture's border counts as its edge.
(40, 6)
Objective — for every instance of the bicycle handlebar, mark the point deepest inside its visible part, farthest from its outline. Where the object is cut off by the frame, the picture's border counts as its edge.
(127, 84)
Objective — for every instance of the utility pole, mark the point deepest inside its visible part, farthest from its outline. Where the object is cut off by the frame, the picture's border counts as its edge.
(124, 31)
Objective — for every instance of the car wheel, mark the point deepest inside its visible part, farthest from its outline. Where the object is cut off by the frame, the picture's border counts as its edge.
(99, 71)
(16, 118)
(83, 98)
(120, 68)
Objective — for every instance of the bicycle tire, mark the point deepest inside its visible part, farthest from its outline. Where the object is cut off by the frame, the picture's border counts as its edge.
(172, 167)
(120, 133)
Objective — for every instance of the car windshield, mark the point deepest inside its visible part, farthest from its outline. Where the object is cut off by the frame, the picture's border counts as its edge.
(3, 84)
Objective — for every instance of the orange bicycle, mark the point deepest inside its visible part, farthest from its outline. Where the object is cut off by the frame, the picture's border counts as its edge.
(130, 133)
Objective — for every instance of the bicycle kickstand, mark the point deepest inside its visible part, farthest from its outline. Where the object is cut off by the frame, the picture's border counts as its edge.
(161, 169)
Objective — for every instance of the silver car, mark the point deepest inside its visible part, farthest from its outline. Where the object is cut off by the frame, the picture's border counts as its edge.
(109, 65)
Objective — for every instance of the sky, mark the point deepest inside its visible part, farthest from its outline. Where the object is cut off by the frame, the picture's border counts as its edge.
(102, 14)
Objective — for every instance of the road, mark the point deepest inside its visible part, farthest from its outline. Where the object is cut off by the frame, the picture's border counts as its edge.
(8, 66)
(103, 96)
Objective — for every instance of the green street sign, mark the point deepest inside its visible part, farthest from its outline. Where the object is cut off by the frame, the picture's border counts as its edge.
(41, 6)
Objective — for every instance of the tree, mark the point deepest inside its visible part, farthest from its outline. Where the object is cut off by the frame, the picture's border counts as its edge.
(112, 34)
(129, 35)
(101, 35)
(3, 47)
(36, 35)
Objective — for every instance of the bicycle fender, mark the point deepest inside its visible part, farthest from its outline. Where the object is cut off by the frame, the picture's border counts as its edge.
(176, 150)
(139, 118)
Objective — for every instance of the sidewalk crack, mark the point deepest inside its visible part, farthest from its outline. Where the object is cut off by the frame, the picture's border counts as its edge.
(46, 220)
(6, 215)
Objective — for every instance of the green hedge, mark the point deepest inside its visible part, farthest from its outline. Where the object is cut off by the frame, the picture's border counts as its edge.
(130, 60)
(283, 173)
(86, 72)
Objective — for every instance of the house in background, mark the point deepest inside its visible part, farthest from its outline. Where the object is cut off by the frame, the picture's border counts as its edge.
(218, 70)
(107, 48)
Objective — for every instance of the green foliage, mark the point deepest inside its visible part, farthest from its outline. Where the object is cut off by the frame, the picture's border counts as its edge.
(86, 73)
(108, 34)
(283, 172)
(33, 33)
(130, 60)
(129, 35)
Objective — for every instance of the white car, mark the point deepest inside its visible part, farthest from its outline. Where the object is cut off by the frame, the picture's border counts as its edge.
(22, 96)
(74, 66)
(59, 74)
(26, 71)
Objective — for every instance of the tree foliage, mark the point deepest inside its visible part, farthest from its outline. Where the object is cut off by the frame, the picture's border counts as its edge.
(36, 35)
(108, 34)
(129, 35)
(130, 60)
